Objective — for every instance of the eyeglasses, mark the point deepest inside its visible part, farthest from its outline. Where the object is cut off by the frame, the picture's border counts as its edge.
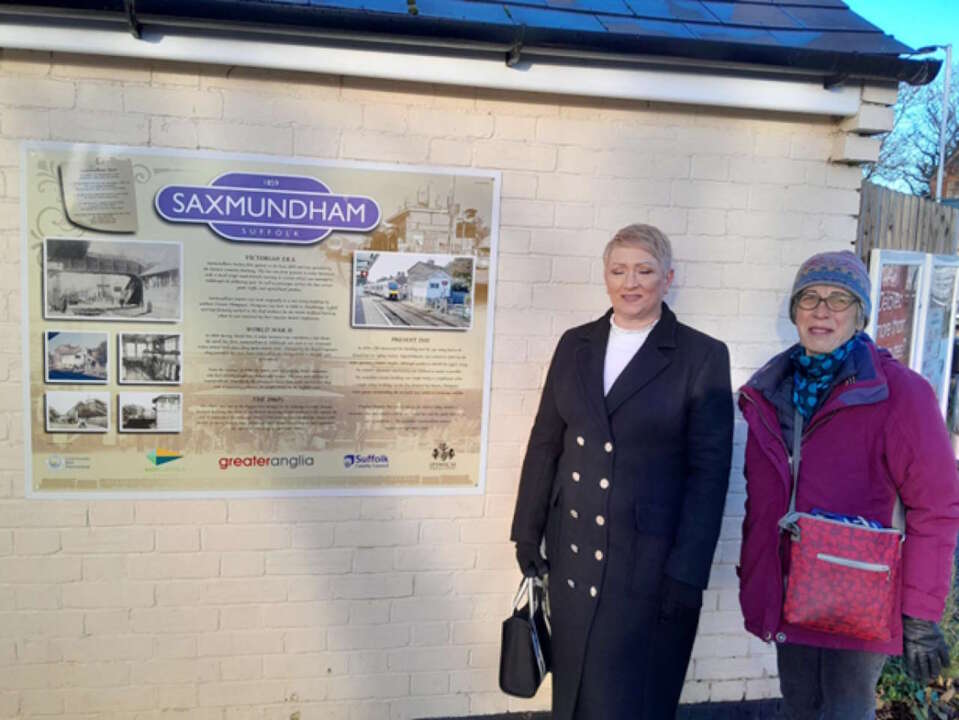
(837, 301)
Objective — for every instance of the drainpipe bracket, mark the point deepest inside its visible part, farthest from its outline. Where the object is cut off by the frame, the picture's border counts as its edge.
(514, 54)
(834, 80)
(136, 29)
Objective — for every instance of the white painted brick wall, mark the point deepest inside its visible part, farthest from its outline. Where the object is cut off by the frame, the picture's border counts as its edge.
(385, 608)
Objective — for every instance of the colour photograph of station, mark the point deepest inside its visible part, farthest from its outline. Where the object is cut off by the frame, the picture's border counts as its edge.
(144, 412)
(412, 290)
(150, 358)
(76, 357)
(77, 412)
(112, 280)
(437, 214)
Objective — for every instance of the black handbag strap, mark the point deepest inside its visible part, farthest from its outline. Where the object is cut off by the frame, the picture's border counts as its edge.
(533, 588)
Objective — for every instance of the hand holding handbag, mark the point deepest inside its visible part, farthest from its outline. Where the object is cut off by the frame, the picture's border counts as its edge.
(525, 652)
(843, 577)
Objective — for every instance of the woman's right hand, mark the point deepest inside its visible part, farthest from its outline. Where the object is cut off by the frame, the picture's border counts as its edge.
(531, 561)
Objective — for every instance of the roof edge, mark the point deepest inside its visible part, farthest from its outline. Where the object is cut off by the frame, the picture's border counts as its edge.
(306, 20)
(746, 91)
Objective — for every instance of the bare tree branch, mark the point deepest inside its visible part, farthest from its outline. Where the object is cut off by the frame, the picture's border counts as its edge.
(909, 156)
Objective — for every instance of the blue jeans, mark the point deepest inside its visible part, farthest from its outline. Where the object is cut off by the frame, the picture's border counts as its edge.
(826, 684)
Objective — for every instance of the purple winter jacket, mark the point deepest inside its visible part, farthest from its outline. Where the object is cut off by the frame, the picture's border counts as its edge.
(878, 433)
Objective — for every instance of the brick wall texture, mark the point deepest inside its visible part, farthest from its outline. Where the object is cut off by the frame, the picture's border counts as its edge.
(385, 608)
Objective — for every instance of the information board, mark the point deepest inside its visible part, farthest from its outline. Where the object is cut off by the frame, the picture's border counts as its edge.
(914, 311)
(209, 323)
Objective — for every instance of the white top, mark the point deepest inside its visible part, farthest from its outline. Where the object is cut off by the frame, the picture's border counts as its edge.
(620, 348)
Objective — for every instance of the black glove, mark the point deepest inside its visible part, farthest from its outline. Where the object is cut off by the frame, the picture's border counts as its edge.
(531, 561)
(678, 600)
(924, 650)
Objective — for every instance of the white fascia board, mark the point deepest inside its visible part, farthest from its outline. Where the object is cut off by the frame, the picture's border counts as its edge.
(569, 78)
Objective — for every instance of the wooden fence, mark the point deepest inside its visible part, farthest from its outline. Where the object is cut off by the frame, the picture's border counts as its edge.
(896, 221)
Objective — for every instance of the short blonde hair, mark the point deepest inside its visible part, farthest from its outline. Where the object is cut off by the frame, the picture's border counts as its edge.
(648, 237)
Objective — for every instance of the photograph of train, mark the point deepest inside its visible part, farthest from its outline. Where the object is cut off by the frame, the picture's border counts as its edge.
(412, 290)
(76, 357)
(77, 412)
(112, 280)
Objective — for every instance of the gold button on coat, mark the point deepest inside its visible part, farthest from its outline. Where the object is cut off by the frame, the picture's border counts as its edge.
(571, 582)
(604, 483)
(608, 447)
(574, 547)
(580, 441)
(593, 592)
(600, 520)
(598, 555)
(573, 514)
(575, 476)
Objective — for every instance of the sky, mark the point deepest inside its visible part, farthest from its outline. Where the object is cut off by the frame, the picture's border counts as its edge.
(914, 22)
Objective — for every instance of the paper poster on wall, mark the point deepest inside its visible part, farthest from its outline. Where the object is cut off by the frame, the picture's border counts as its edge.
(895, 302)
(206, 323)
(938, 321)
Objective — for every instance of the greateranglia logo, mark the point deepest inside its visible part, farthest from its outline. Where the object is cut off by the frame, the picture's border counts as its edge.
(288, 461)
(255, 207)
(162, 457)
(370, 460)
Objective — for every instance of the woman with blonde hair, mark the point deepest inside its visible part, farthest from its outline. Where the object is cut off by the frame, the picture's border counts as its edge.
(623, 487)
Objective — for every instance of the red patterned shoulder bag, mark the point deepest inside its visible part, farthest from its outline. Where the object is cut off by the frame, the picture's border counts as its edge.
(843, 576)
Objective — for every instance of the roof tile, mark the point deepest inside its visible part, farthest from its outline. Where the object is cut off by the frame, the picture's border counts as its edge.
(606, 7)
(830, 19)
(463, 10)
(643, 26)
(751, 15)
(671, 10)
(554, 19)
(732, 34)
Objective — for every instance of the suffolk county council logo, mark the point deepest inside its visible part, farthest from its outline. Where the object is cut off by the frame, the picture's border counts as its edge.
(162, 457)
(443, 452)
(257, 207)
(370, 460)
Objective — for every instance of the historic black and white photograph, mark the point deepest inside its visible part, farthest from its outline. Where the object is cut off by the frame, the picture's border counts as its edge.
(150, 358)
(425, 291)
(77, 411)
(151, 412)
(76, 357)
(112, 280)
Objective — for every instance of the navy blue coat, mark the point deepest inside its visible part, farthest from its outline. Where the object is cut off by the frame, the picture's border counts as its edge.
(625, 489)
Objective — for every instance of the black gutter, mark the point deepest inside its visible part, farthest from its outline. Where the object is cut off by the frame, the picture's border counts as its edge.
(272, 19)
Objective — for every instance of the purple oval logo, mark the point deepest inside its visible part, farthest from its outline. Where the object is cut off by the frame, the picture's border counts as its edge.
(254, 207)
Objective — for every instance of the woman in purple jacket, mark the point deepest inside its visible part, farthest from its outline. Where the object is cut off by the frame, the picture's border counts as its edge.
(871, 431)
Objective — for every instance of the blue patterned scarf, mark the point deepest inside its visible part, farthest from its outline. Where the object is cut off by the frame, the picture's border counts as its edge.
(813, 376)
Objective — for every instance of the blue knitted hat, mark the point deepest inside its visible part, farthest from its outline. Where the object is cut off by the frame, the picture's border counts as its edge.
(842, 269)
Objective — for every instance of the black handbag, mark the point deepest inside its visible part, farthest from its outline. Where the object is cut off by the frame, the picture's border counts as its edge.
(525, 652)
